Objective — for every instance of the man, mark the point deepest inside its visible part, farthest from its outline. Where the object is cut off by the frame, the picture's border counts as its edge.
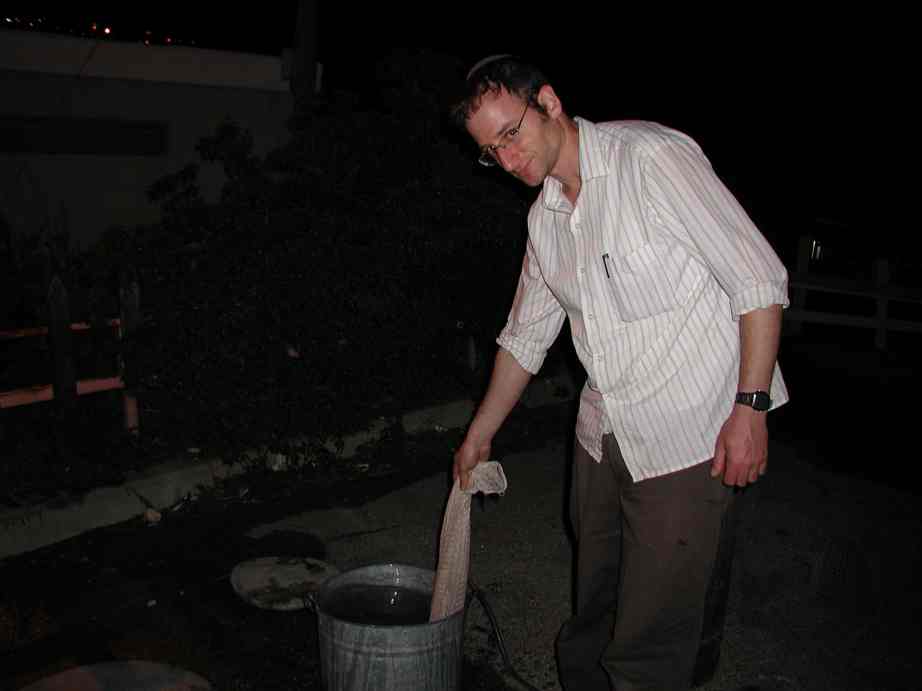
(674, 300)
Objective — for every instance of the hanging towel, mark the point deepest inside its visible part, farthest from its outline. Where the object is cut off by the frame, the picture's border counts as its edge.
(450, 587)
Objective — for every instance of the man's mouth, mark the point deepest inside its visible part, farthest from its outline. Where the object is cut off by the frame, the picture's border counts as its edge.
(520, 171)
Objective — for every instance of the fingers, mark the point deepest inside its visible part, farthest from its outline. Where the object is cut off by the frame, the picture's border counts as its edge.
(743, 473)
(717, 465)
(758, 470)
(461, 475)
(748, 477)
(466, 459)
(740, 475)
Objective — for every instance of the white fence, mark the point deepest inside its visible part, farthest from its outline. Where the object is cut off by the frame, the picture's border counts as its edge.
(879, 289)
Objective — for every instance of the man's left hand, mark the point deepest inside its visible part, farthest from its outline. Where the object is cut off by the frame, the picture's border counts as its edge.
(741, 454)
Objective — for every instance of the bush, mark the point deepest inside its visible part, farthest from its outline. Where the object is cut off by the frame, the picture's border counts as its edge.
(338, 278)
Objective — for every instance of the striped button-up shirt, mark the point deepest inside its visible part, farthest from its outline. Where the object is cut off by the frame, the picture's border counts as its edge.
(653, 266)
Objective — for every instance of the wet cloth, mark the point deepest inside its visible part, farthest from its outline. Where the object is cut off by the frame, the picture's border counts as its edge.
(450, 587)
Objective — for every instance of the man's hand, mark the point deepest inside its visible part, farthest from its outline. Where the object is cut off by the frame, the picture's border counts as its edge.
(741, 454)
(468, 455)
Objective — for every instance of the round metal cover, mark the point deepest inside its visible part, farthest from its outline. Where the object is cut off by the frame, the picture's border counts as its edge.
(280, 583)
(126, 675)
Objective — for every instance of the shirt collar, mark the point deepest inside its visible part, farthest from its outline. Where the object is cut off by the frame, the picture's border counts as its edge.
(592, 164)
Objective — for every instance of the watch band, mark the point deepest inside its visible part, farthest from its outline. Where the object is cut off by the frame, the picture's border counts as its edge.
(757, 400)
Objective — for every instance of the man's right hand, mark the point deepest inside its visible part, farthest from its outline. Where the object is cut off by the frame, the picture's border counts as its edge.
(469, 454)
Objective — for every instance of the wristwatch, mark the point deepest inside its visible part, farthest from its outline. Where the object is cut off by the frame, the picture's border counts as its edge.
(757, 400)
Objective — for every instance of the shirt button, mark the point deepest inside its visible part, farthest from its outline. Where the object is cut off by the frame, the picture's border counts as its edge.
(590, 317)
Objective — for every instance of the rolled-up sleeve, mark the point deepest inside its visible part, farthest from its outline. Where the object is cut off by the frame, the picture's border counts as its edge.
(535, 319)
(683, 190)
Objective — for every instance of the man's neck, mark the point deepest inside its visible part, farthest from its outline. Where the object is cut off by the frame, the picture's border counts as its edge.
(566, 172)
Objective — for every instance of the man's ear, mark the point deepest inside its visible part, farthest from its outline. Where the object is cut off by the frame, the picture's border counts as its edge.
(548, 100)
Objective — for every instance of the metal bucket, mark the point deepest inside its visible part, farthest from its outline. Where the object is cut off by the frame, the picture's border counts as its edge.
(358, 656)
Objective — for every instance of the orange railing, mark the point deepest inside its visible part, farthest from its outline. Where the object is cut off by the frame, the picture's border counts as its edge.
(65, 386)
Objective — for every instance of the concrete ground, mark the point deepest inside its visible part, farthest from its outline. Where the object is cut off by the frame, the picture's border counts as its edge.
(823, 595)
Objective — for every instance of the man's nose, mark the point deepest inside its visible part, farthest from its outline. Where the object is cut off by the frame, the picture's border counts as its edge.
(507, 158)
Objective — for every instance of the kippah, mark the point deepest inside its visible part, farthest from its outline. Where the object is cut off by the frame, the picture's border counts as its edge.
(486, 61)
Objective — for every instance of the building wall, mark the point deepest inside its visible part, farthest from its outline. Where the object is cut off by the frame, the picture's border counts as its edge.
(86, 127)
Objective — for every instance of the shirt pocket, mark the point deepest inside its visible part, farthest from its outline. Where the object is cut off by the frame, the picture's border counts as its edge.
(653, 279)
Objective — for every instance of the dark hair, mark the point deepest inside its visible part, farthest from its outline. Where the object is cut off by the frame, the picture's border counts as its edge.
(495, 74)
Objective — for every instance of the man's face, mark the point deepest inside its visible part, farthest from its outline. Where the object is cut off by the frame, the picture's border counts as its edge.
(530, 155)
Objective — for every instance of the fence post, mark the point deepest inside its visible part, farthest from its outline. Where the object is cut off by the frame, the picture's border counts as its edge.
(799, 297)
(881, 279)
(64, 382)
(129, 302)
(99, 335)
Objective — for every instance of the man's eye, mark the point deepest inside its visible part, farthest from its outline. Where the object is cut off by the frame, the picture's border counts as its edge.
(511, 133)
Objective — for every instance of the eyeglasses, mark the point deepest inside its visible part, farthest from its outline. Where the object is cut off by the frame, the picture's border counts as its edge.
(488, 153)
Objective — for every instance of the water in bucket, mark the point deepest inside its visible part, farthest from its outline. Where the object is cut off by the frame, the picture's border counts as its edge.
(379, 605)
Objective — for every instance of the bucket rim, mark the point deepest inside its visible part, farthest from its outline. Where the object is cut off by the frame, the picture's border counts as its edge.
(330, 584)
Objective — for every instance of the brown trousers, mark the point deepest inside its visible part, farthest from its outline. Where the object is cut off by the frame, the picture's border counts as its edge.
(645, 551)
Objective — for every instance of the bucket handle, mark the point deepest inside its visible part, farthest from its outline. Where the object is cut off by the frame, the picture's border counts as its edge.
(310, 601)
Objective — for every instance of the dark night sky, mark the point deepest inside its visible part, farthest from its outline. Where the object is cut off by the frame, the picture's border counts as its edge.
(785, 104)
(794, 110)
(215, 27)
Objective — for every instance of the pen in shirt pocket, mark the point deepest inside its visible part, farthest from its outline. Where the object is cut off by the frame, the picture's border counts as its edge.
(605, 264)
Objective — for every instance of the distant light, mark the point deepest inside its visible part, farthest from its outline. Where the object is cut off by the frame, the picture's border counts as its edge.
(93, 26)
(168, 40)
(107, 31)
(816, 252)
